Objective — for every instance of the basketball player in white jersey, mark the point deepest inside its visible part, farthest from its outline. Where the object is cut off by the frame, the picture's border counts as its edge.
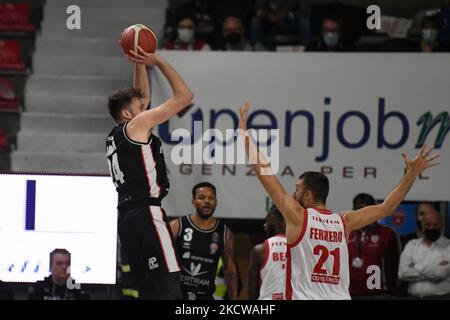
(317, 252)
(267, 270)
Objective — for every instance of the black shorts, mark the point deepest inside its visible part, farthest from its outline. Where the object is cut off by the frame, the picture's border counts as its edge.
(146, 238)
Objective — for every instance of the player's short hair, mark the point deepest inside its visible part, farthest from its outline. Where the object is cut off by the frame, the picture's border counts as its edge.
(317, 183)
(202, 185)
(273, 210)
(58, 251)
(363, 198)
(121, 99)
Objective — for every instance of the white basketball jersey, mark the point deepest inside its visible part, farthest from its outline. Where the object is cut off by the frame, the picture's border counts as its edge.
(317, 262)
(273, 271)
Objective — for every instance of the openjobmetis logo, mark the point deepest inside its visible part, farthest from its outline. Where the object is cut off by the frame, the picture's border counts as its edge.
(214, 146)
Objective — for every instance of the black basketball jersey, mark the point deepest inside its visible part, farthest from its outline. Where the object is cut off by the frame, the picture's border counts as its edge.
(199, 252)
(138, 169)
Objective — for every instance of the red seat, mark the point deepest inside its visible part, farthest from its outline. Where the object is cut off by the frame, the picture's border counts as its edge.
(3, 140)
(8, 99)
(10, 56)
(15, 17)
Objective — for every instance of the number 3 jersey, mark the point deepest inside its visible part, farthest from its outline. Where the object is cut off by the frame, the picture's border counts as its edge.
(199, 252)
(138, 169)
(317, 262)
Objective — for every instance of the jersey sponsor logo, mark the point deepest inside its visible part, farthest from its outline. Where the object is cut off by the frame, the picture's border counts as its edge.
(325, 235)
(193, 281)
(201, 259)
(277, 296)
(192, 296)
(213, 248)
(374, 238)
(325, 220)
(195, 270)
(186, 245)
(325, 278)
(152, 263)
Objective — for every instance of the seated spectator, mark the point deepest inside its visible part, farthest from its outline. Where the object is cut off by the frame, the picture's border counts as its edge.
(186, 38)
(430, 36)
(421, 209)
(201, 10)
(331, 37)
(281, 17)
(424, 263)
(234, 35)
(373, 245)
(56, 285)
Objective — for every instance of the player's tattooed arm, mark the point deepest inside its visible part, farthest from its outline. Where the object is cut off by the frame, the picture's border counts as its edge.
(414, 167)
(229, 266)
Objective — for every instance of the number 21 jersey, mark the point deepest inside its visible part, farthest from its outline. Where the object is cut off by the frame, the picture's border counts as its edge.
(317, 262)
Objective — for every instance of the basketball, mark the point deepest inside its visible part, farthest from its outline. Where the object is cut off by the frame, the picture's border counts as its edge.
(141, 35)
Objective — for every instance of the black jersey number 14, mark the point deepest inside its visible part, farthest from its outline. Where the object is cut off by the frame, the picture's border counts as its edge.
(114, 168)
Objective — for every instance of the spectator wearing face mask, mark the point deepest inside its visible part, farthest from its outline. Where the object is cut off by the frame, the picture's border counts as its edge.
(186, 38)
(424, 263)
(430, 36)
(331, 37)
(234, 35)
(421, 209)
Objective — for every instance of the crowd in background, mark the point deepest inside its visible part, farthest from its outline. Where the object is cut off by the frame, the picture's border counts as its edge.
(260, 25)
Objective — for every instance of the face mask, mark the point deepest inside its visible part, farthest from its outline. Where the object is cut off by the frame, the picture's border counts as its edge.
(432, 234)
(233, 38)
(185, 34)
(331, 39)
(429, 35)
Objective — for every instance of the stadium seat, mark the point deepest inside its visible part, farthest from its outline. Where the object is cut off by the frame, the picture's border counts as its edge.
(8, 99)
(10, 56)
(15, 17)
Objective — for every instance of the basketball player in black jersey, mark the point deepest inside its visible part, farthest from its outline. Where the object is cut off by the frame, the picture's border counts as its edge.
(138, 170)
(201, 240)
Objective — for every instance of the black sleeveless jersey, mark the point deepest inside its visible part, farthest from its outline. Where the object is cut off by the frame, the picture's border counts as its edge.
(138, 169)
(199, 252)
